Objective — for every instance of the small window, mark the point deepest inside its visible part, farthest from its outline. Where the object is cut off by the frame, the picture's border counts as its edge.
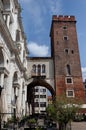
(85, 86)
(66, 51)
(36, 104)
(44, 90)
(42, 104)
(36, 90)
(72, 51)
(34, 68)
(39, 69)
(70, 93)
(41, 90)
(43, 68)
(68, 70)
(65, 38)
(36, 96)
(69, 80)
(42, 96)
(64, 27)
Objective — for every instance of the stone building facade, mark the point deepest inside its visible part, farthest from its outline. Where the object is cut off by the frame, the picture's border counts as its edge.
(13, 63)
(19, 74)
(40, 99)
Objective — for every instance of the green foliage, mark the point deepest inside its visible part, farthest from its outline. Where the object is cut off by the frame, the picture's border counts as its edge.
(51, 111)
(31, 121)
(63, 110)
(78, 117)
(10, 120)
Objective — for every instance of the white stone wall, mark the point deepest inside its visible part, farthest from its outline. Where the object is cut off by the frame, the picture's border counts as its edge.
(49, 69)
(13, 62)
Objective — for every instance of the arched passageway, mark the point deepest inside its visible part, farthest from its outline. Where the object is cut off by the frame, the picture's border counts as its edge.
(30, 91)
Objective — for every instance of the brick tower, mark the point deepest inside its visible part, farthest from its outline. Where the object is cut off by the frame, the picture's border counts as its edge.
(65, 54)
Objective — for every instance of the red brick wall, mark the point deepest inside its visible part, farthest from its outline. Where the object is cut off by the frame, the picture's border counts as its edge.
(61, 58)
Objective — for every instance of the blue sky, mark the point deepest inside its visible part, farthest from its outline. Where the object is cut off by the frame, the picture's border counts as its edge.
(37, 16)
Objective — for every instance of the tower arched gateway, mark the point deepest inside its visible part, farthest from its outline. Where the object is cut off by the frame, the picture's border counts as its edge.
(30, 91)
(60, 73)
(40, 74)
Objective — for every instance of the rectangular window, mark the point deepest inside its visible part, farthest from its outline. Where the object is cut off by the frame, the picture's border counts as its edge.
(65, 38)
(69, 80)
(42, 104)
(36, 104)
(64, 27)
(36, 90)
(42, 96)
(70, 93)
(36, 96)
(44, 90)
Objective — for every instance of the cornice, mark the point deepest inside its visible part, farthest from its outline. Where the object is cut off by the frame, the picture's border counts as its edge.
(4, 70)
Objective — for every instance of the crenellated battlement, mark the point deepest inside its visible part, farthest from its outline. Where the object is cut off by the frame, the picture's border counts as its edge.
(63, 18)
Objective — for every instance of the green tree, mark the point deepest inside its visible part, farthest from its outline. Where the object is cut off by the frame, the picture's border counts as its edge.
(63, 110)
(31, 122)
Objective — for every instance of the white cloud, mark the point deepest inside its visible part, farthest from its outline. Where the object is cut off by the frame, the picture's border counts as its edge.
(84, 72)
(38, 50)
(83, 69)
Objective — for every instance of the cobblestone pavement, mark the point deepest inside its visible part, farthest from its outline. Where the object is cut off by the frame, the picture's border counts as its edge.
(78, 125)
(74, 126)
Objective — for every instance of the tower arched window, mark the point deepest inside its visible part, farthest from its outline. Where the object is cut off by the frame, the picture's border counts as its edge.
(43, 68)
(39, 69)
(68, 69)
(34, 68)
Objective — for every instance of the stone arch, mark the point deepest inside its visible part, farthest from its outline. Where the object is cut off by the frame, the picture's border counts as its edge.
(30, 91)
